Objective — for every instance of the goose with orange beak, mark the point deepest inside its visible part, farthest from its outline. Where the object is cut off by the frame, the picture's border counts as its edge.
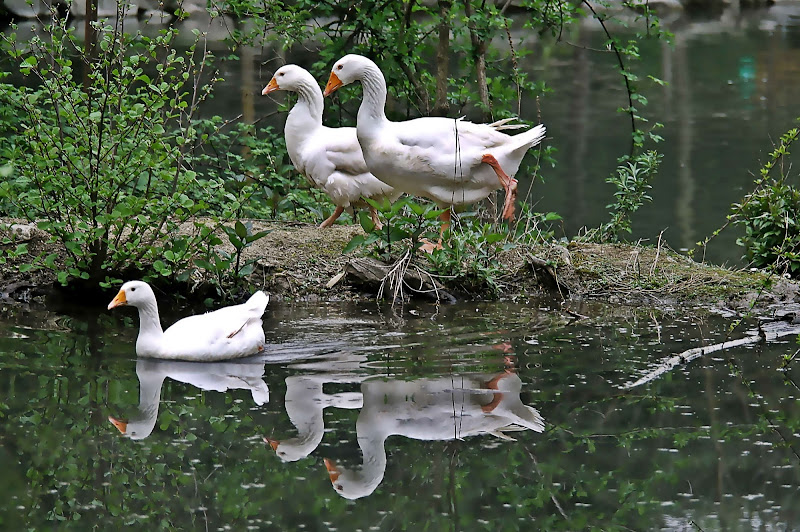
(450, 161)
(330, 158)
(226, 333)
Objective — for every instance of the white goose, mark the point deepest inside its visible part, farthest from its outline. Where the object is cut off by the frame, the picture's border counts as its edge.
(329, 157)
(452, 162)
(226, 333)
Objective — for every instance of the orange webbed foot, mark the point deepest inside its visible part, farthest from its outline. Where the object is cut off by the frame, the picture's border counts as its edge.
(508, 183)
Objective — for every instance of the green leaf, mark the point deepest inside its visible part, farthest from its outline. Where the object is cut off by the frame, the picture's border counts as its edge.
(416, 208)
(435, 213)
(366, 222)
(258, 236)
(396, 234)
(241, 230)
(355, 242)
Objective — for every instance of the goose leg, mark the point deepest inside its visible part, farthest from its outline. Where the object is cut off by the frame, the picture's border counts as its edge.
(429, 246)
(329, 222)
(374, 215)
(497, 395)
(509, 185)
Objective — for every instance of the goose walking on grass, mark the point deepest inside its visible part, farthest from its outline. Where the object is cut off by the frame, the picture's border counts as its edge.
(450, 161)
(226, 333)
(329, 157)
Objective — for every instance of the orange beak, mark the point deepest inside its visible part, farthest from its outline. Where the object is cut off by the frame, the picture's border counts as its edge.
(272, 86)
(121, 425)
(120, 299)
(272, 443)
(332, 471)
(333, 83)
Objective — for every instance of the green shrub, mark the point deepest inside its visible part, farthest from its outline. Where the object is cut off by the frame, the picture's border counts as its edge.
(99, 156)
(769, 216)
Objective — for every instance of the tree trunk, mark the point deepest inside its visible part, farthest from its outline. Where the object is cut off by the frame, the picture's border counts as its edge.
(442, 106)
(479, 47)
(480, 71)
(89, 41)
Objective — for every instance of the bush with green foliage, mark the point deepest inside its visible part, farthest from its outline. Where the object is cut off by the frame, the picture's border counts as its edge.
(469, 256)
(99, 157)
(106, 151)
(770, 215)
(632, 181)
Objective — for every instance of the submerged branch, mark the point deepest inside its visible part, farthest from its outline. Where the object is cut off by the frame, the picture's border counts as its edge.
(765, 332)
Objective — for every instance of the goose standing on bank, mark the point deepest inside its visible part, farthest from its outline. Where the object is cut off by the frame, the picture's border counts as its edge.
(226, 333)
(450, 161)
(330, 158)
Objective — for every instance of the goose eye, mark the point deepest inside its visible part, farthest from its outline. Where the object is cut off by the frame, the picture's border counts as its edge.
(282, 73)
(133, 289)
(339, 67)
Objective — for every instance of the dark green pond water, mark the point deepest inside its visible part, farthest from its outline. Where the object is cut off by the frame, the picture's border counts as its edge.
(414, 415)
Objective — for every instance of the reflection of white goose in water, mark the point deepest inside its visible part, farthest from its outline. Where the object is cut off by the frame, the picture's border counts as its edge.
(306, 401)
(430, 409)
(217, 376)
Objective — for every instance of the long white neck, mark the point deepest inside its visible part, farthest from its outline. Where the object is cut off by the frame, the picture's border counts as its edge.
(372, 112)
(304, 406)
(363, 480)
(304, 118)
(150, 384)
(150, 332)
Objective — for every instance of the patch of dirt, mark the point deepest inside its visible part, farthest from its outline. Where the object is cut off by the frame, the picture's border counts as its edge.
(17, 283)
(297, 260)
(303, 262)
(657, 276)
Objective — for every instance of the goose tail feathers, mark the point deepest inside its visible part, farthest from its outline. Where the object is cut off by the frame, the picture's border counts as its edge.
(502, 124)
(522, 142)
(257, 303)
